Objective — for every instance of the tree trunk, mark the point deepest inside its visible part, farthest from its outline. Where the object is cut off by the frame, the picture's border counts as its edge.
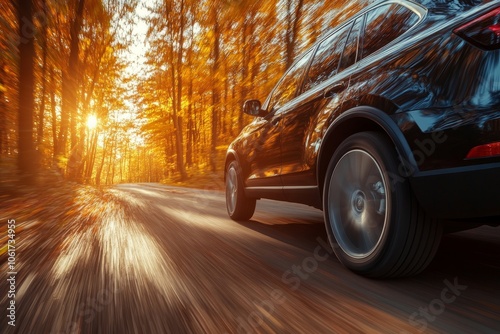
(41, 115)
(244, 71)
(69, 93)
(91, 155)
(3, 112)
(53, 113)
(177, 96)
(189, 129)
(101, 165)
(215, 91)
(293, 24)
(27, 160)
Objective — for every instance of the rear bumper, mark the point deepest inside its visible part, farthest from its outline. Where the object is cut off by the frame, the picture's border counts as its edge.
(462, 192)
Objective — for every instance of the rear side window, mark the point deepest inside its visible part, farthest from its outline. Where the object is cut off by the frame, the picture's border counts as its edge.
(287, 87)
(326, 60)
(384, 24)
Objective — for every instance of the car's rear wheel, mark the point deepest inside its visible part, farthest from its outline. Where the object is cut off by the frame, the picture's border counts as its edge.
(239, 207)
(374, 223)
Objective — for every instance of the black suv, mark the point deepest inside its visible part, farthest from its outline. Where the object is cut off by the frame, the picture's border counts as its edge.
(390, 125)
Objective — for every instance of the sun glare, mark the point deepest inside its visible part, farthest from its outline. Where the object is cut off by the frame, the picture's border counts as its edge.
(91, 121)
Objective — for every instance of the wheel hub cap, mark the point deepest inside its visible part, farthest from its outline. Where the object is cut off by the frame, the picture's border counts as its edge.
(358, 202)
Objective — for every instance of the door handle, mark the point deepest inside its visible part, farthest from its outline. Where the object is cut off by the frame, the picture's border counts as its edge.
(328, 92)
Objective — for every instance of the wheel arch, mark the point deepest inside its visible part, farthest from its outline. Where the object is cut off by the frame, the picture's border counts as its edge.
(355, 120)
(230, 157)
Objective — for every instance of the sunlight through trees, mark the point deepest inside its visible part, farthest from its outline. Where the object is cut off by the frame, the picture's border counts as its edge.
(130, 91)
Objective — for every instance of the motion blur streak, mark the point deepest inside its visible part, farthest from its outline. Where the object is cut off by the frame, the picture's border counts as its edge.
(132, 255)
(147, 258)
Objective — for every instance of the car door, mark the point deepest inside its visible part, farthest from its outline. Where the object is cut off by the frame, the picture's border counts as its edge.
(262, 151)
(264, 156)
(300, 135)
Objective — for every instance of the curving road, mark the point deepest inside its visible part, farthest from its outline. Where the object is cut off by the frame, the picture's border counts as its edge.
(158, 259)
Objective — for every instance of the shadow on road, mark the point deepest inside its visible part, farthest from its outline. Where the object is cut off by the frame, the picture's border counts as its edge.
(299, 235)
(472, 253)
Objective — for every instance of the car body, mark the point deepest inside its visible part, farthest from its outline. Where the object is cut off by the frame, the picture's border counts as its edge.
(407, 92)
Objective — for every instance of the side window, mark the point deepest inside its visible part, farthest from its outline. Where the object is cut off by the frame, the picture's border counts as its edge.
(287, 87)
(326, 60)
(351, 47)
(384, 24)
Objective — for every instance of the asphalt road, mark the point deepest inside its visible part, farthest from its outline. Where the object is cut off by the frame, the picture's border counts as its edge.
(159, 259)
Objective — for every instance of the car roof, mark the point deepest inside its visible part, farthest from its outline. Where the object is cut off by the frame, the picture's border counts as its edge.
(450, 6)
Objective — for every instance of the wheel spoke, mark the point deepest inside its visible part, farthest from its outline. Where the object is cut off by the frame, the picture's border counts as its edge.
(346, 185)
(363, 166)
(231, 189)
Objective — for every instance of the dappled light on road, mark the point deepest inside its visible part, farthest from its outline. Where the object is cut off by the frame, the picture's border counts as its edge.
(131, 254)
(78, 249)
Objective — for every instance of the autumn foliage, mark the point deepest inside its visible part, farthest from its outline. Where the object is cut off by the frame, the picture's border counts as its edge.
(129, 91)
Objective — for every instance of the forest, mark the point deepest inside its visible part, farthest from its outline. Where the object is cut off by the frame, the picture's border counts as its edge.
(102, 92)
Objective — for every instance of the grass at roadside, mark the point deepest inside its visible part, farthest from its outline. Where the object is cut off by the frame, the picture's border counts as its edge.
(211, 181)
(201, 177)
(46, 209)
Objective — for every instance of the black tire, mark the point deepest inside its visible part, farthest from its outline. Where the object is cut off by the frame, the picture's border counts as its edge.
(239, 207)
(374, 223)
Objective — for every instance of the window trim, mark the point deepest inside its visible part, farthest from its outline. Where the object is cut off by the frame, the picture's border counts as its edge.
(316, 49)
(358, 42)
(421, 12)
(297, 92)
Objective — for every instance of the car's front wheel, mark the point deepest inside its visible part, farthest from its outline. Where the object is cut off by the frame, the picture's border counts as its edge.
(239, 206)
(374, 223)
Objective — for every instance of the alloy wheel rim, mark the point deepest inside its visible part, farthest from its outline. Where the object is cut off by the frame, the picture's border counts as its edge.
(358, 204)
(231, 189)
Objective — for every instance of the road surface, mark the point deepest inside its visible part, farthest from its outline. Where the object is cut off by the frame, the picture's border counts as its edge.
(158, 259)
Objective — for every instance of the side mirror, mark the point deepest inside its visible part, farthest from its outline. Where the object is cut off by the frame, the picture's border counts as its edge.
(252, 108)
